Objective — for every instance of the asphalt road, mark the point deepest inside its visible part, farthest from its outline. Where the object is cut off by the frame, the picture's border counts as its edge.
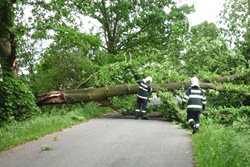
(107, 142)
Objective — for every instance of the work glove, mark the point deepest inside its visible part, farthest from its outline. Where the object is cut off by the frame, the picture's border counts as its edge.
(182, 105)
(203, 107)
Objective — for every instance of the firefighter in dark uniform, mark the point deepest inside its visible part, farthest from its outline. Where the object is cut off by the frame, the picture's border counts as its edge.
(196, 100)
(142, 97)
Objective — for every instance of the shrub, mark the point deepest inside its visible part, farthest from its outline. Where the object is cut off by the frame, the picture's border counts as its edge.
(16, 100)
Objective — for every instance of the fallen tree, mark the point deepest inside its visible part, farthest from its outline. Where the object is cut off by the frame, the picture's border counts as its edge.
(102, 93)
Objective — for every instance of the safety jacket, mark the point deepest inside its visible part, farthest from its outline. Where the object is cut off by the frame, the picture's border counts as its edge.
(144, 89)
(195, 98)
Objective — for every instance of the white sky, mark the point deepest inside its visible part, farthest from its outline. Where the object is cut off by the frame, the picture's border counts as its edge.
(206, 10)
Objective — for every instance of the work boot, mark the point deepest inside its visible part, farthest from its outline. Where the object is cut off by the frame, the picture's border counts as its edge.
(140, 115)
(191, 123)
(195, 129)
(137, 114)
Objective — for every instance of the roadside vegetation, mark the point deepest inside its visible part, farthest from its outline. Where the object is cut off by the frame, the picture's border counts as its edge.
(51, 119)
(218, 145)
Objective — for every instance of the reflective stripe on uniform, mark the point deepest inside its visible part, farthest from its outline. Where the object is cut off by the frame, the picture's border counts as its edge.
(194, 106)
(190, 120)
(143, 88)
(196, 96)
(195, 91)
(137, 110)
(143, 111)
(204, 100)
(141, 97)
(185, 98)
(144, 85)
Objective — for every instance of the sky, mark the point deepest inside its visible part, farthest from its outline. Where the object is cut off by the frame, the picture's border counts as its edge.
(206, 10)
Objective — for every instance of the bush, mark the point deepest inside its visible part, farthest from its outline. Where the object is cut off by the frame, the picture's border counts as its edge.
(16, 100)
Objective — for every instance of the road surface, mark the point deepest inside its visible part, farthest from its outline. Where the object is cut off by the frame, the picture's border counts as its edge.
(107, 142)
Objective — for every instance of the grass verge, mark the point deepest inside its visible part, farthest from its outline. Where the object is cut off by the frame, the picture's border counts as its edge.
(219, 146)
(55, 119)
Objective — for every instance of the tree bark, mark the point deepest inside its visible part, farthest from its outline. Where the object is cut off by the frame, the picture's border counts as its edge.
(7, 40)
(97, 94)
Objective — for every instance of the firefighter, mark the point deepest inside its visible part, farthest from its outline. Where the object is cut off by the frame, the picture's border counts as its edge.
(196, 100)
(142, 97)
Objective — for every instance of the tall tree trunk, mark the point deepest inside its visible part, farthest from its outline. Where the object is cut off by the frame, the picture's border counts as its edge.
(7, 39)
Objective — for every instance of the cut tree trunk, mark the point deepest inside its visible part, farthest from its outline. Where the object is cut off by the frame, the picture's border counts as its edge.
(98, 94)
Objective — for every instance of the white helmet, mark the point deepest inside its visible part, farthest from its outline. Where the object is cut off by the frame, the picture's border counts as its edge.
(148, 79)
(194, 81)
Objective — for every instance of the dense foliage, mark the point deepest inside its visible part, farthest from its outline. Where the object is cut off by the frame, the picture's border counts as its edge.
(16, 101)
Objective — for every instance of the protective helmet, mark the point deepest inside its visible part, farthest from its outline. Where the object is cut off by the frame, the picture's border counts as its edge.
(148, 79)
(194, 81)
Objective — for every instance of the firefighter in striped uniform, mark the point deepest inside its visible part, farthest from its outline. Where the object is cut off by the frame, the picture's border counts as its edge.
(196, 100)
(142, 97)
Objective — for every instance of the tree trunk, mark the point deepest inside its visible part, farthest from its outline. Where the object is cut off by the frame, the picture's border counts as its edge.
(7, 40)
(97, 94)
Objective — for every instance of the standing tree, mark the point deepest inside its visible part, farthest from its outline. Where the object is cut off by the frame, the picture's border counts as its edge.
(207, 51)
(236, 21)
(7, 38)
(16, 101)
(126, 25)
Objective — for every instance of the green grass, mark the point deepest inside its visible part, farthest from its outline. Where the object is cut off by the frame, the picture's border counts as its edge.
(16, 133)
(219, 146)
